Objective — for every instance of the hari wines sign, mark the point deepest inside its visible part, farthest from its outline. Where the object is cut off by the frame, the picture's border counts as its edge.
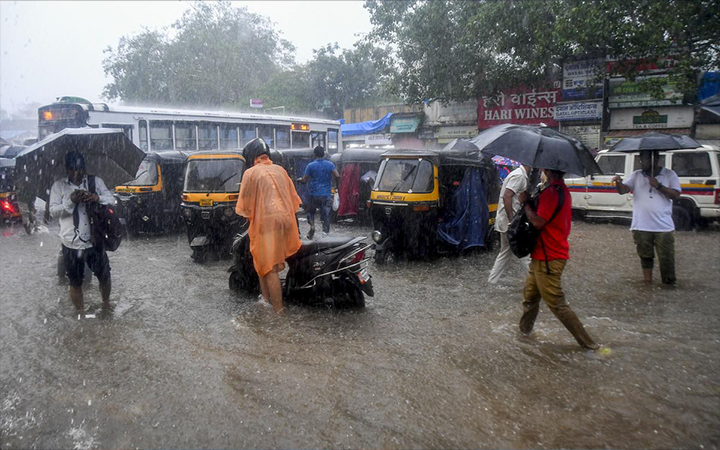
(521, 106)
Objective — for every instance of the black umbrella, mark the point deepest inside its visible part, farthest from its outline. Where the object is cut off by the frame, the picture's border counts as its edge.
(654, 141)
(538, 147)
(108, 154)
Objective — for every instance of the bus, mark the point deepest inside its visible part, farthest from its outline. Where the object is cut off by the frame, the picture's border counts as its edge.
(156, 129)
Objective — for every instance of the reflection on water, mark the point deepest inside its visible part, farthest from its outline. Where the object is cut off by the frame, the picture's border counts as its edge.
(434, 360)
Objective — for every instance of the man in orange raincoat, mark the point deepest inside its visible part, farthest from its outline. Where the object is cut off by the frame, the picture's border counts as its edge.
(269, 201)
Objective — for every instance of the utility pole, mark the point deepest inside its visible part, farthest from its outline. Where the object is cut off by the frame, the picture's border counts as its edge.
(277, 107)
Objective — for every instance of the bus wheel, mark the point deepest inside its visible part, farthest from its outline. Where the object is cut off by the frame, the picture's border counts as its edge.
(682, 218)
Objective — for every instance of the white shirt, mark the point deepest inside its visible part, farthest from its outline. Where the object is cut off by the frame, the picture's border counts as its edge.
(517, 181)
(61, 206)
(652, 211)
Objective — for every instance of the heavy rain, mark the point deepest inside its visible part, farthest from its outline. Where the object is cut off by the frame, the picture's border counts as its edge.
(256, 234)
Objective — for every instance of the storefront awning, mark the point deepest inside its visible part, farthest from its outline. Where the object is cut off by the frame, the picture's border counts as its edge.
(627, 133)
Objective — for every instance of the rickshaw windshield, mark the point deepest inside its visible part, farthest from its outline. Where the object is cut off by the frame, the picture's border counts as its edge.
(405, 175)
(213, 175)
(6, 182)
(146, 175)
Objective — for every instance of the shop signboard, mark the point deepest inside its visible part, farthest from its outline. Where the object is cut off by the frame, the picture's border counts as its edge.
(580, 80)
(651, 118)
(578, 111)
(256, 103)
(587, 134)
(630, 94)
(404, 124)
(456, 132)
(451, 114)
(520, 106)
(378, 139)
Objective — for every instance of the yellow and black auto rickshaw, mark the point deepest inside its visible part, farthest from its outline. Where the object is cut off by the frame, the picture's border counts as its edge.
(429, 202)
(210, 192)
(151, 201)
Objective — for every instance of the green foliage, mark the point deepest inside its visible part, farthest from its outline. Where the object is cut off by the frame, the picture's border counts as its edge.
(455, 50)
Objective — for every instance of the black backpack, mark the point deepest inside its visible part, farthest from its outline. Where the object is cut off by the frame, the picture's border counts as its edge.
(105, 227)
(522, 235)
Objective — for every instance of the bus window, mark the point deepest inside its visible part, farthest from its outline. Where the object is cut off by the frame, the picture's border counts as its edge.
(332, 140)
(142, 126)
(185, 136)
(282, 134)
(127, 129)
(228, 136)
(208, 136)
(247, 134)
(161, 135)
(300, 140)
(266, 133)
(317, 138)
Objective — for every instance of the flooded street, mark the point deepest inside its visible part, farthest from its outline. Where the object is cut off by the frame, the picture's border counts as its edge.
(434, 360)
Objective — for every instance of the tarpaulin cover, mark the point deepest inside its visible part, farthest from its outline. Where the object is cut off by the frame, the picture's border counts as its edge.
(369, 127)
(268, 199)
(349, 190)
(710, 85)
(465, 220)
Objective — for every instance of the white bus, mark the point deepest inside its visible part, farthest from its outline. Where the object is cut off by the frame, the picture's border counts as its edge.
(153, 129)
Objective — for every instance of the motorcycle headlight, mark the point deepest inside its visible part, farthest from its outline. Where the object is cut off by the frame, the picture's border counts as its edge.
(187, 212)
(377, 236)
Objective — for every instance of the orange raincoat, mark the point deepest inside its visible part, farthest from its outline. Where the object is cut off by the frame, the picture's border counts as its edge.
(269, 200)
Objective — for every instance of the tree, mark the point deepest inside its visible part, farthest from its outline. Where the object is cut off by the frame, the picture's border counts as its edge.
(460, 50)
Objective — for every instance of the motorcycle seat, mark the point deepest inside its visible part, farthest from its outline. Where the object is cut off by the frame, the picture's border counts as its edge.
(308, 247)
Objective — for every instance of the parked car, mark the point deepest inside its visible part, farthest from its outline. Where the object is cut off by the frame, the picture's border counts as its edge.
(699, 172)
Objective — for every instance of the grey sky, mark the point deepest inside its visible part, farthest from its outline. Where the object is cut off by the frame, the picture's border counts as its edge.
(50, 49)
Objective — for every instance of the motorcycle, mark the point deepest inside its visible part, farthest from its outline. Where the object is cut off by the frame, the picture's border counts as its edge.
(334, 268)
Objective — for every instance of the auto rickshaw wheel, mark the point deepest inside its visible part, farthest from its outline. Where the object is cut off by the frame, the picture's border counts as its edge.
(380, 256)
(199, 256)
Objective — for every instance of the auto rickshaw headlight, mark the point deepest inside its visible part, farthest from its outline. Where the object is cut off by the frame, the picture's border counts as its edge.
(377, 236)
(187, 212)
(229, 212)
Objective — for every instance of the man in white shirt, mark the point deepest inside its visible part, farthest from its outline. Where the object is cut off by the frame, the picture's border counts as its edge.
(515, 183)
(654, 190)
(69, 200)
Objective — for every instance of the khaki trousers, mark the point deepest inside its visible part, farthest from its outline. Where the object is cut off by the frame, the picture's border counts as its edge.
(663, 243)
(539, 284)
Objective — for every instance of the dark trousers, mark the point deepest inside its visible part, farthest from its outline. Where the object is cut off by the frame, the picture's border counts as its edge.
(539, 284)
(663, 243)
(323, 204)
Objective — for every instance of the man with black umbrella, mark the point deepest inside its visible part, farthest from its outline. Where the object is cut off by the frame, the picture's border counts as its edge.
(552, 218)
(69, 200)
(654, 189)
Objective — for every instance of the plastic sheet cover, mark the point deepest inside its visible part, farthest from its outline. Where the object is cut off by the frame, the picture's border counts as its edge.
(465, 219)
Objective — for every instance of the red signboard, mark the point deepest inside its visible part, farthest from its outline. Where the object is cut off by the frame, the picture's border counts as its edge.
(521, 106)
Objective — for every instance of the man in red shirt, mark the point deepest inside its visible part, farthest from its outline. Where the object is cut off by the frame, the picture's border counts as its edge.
(549, 257)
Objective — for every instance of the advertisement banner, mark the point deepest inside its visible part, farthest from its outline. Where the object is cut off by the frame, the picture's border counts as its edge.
(451, 114)
(578, 111)
(378, 139)
(520, 106)
(456, 132)
(588, 135)
(651, 118)
(580, 80)
(256, 103)
(404, 124)
(628, 94)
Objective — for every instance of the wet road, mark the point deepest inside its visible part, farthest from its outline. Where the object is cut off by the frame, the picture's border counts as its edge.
(433, 361)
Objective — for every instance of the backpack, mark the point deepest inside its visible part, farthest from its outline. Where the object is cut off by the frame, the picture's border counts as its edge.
(522, 235)
(105, 227)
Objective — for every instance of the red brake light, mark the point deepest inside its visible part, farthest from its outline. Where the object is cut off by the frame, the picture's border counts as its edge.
(7, 206)
(358, 257)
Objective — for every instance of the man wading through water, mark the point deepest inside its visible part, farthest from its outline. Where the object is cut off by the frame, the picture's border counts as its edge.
(549, 257)
(69, 201)
(320, 173)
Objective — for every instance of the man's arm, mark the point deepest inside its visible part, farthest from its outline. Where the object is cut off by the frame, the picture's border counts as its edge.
(620, 186)
(60, 207)
(102, 193)
(537, 221)
(507, 203)
(672, 194)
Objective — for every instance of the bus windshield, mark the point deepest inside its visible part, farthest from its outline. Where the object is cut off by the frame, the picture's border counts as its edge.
(147, 175)
(405, 175)
(213, 175)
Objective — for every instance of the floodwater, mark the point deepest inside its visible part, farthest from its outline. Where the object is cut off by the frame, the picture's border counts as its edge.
(433, 361)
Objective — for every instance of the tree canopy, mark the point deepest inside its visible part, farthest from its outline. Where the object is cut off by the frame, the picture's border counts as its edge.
(455, 50)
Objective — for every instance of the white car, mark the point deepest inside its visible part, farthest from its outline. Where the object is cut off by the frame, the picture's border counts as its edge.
(699, 172)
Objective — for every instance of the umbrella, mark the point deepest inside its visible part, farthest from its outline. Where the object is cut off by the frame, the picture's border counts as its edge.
(108, 154)
(538, 147)
(654, 141)
(501, 160)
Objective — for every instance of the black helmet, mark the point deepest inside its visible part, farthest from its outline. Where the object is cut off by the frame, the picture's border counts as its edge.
(253, 149)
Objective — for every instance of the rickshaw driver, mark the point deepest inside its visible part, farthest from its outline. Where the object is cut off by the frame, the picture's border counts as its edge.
(269, 201)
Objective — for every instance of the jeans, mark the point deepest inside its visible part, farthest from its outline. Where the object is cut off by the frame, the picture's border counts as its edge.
(663, 243)
(322, 203)
(548, 287)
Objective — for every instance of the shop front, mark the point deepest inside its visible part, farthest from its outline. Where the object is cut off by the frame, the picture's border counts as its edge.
(638, 121)
(519, 106)
(582, 120)
(404, 131)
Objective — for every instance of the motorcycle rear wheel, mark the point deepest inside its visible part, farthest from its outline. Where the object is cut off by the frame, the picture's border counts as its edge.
(349, 295)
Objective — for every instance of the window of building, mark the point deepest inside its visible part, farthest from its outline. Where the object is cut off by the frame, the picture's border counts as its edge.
(696, 164)
(161, 135)
(208, 136)
(142, 127)
(185, 138)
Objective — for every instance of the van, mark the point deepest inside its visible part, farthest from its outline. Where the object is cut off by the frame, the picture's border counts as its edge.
(595, 197)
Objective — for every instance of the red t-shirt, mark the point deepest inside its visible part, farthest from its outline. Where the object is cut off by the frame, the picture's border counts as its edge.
(555, 234)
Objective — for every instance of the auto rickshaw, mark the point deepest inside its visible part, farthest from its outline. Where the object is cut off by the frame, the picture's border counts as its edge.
(295, 160)
(210, 192)
(428, 202)
(358, 169)
(151, 201)
(9, 210)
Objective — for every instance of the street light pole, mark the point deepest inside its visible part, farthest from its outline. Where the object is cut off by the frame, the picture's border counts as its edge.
(277, 107)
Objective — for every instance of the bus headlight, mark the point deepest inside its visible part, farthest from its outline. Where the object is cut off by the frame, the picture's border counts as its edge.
(377, 236)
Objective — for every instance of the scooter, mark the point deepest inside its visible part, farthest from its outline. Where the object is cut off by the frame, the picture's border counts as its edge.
(334, 268)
